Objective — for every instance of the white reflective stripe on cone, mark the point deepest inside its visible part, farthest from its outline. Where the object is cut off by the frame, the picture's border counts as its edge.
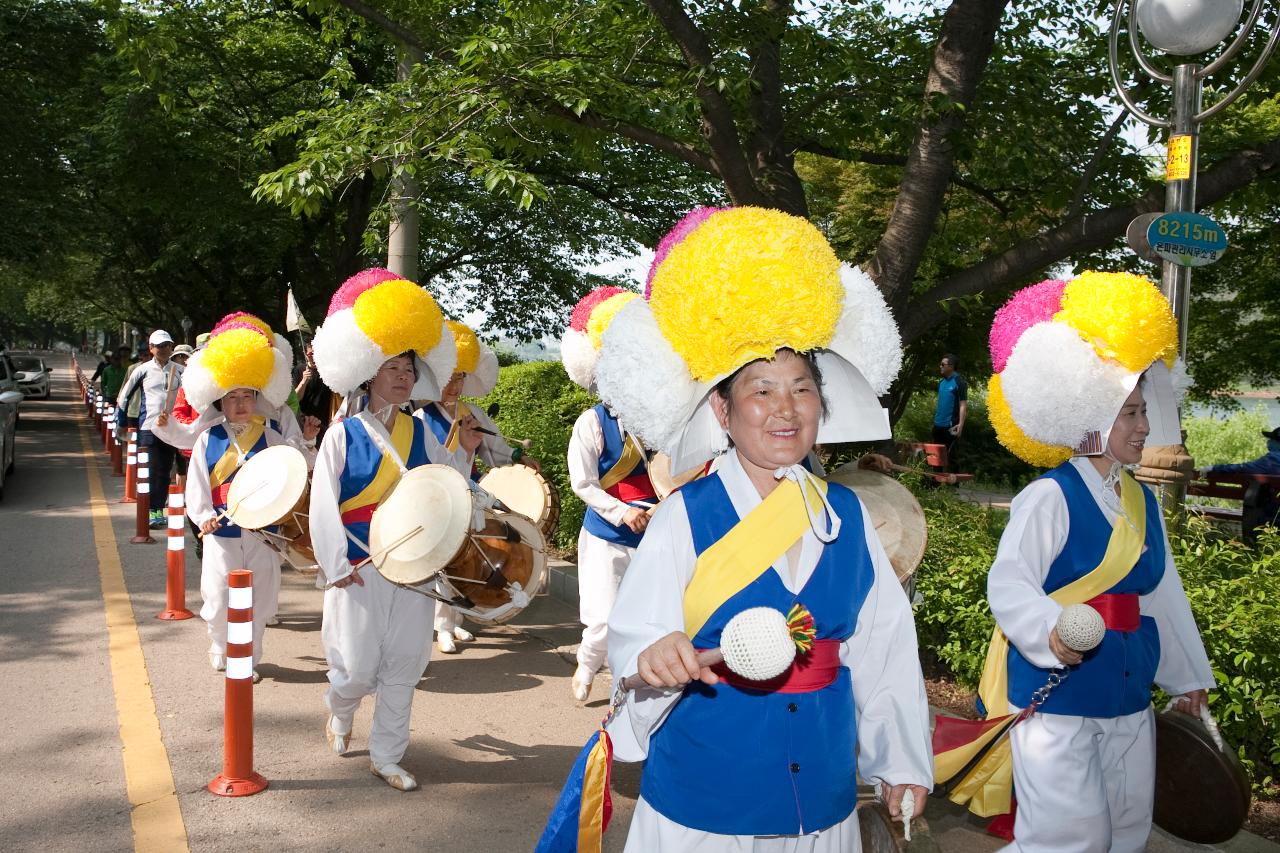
(175, 500)
(133, 459)
(144, 488)
(239, 598)
(240, 667)
(175, 522)
(176, 543)
(143, 456)
(239, 632)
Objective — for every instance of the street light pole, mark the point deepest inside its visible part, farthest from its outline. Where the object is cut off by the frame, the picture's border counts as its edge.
(1180, 192)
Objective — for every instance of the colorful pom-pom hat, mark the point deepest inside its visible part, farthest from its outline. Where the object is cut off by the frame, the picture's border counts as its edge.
(1068, 353)
(580, 346)
(732, 285)
(477, 362)
(376, 315)
(241, 352)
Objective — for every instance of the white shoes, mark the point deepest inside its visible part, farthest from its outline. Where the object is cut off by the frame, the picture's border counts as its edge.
(582, 678)
(218, 661)
(444, 640)
(462, 635)
(338, 741)
(395, 776)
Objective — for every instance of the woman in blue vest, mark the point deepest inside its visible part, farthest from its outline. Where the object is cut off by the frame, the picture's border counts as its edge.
(238, 372)
(383, 341)
(757, 343)
(608, 470)
(1083, 383)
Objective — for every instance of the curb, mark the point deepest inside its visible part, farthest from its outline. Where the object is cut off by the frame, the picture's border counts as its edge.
(562, 581)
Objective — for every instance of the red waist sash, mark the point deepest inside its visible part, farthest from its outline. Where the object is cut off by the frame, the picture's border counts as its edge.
(359, 514)
(220, 495)
(811, 671)
(1119, 610)
(634, 488)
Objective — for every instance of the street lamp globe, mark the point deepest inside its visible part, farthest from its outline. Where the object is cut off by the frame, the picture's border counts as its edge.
(1187, 27)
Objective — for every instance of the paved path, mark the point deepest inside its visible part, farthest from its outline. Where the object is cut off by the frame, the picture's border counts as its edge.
(494, 729)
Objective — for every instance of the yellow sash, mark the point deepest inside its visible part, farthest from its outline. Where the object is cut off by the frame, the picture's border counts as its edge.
(236, 451)
(451, 440)
(988, 786)
(748, 550)
(632, 455)
(388, 473)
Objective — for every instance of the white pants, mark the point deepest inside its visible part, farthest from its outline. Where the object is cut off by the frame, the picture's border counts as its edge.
(447, 618)
(222, 554)
(601, 566)
(652, 832)
(377, 639)
(1083, 784)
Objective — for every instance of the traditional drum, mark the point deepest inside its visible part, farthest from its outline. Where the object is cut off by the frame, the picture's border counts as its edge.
(664, 482)
(897, 516)
(427, 534)
(1202, 791)
(295, 531)
(267, 487)
(522, 489)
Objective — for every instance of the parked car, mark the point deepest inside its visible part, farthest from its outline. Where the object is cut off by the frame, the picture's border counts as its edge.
(10, 397)
(31, 374)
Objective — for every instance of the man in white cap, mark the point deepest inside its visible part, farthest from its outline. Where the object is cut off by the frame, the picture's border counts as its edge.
(150, 380)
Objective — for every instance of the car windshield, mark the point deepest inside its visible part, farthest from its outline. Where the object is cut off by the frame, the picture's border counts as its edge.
(27, 364)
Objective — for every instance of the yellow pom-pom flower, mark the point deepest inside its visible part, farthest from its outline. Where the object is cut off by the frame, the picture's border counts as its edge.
(239, 358)
(743, 284)
(1011, 435)
(1124, 316)
(467, 345)
(397, 315)
(602, 315)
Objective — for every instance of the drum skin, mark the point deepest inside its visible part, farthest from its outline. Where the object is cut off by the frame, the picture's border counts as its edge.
(897, 515)
(1202, 793)
(522, 489)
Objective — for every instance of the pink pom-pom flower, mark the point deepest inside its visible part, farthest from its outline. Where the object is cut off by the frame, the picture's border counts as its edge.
(682, 229)
(1035, 304)
(582, 311)
(356, 285)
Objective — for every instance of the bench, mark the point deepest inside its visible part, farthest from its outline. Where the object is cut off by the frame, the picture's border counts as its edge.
(935, 456)
(1254, 491)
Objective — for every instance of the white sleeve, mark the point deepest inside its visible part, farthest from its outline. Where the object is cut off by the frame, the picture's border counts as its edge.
(291, 432)
(649, 606)
(894, 739)
(183, 436)
(199, 495)
(438, 454)
(1036, 533)
(493, 450)
(328, 535)
(1184, 665)
(585, 446)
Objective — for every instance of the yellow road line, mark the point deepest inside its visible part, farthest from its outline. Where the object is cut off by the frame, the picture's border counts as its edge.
(156, 816)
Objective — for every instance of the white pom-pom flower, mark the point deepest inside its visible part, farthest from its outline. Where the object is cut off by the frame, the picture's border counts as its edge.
(441, 359)
(198, 383)
(1057, 387)
(866, 335)
(579, 357)
(343, 354)
(642, 378)
(281, 382)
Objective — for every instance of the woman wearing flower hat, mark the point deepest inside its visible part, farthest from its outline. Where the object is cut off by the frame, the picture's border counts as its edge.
(1082, 383)
(239, 370)
(475, 374)
(757, 343)
(383, 341)
(608, 470)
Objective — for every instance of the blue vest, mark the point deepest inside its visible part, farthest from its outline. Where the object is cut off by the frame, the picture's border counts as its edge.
(1115, 678)
(614, 442)
(746, 762)
(440, 423)
(219, 444)
(363, 459)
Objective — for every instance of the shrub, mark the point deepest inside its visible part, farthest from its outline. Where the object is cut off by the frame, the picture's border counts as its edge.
(1237, 439)
(538, 402)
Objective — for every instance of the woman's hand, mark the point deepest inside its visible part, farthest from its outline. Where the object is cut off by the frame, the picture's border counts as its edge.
(162, 419)
(892, 796)
(875, 462)
(636, 519)
(468, 434)
(310, 427)
(209, 526)
(353, 578)
(1062, 651)
(1191, 703)
(673, 662)
(532, 463)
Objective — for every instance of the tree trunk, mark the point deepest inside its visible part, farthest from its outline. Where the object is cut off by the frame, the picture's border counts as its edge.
(402, 240)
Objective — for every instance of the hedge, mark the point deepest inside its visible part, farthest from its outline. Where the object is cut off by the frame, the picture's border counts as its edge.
(1234, 593)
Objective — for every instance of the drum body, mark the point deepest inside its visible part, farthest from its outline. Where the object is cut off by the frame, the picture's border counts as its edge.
(295, 529)
(1202, 792)
(664, 480)
(897, 516)
(508, 550)
(523, 490)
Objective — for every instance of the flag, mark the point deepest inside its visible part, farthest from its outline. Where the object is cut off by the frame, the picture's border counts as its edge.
(973, 762)
(293, 319)
(582, 812)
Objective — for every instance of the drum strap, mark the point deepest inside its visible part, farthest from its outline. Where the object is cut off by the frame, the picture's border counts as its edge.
(451, 440)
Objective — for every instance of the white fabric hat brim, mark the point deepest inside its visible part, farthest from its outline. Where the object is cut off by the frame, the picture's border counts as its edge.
(1160, 393)
(441, 360)
(485, 378)
(427, 386)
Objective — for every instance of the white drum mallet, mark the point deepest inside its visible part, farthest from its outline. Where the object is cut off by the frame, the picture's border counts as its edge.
(758, 644)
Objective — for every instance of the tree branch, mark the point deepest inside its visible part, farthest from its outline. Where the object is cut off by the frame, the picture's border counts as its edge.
(1082, 234)
(397, 30)
(1094, 165)
(682, 151)
(964, 47)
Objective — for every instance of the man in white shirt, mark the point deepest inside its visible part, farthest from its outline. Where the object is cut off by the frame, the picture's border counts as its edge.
(151, 380)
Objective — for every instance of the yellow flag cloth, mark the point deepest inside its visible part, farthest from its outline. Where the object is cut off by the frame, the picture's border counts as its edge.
(988, 787)
(749, 549)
